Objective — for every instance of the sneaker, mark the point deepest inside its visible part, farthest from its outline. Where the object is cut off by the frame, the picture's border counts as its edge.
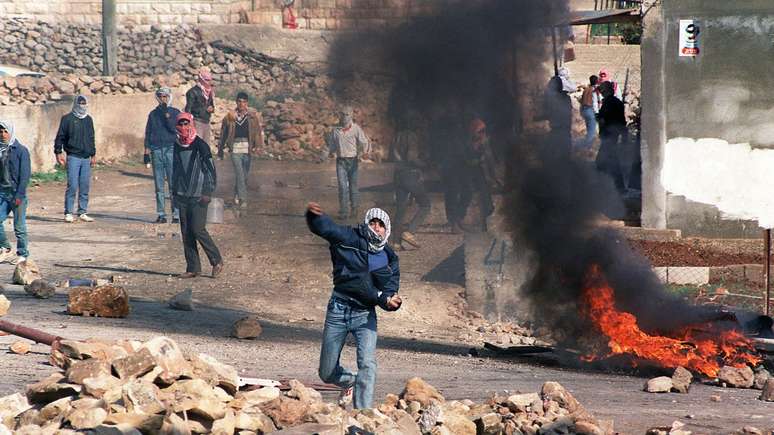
(236, 200)
(188, 275)
(410, 239)
(69, 218)
(161, 220)
(5, 255)
(345, 397)
(243, 204)
(84, 217)
(18, 260)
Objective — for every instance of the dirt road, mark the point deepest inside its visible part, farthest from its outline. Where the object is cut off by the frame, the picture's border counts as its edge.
(277, 270)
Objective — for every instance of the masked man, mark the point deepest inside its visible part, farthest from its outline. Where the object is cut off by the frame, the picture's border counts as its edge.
(14, 178)
(365, 275)
(74, 148)
(349, 143)
(160, 137)
(193, 181)
(200, 102)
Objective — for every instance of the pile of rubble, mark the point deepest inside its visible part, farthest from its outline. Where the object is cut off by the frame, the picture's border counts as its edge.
(730, 377)
(128, 387)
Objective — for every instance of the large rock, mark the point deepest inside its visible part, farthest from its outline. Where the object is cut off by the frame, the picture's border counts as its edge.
(761, 376)
(105, 387)
(661, 384)
(40, 288)
(134, 365)
(26, 272)
(174, 425)
(144, 422)
(142, 397)
(284, 411)
(254, 420)
(5, 305)
(767, 394)
(681, 380)
(89, 368)
(420, 391)
(225, 425)
(102, 301)
(490, 424)
(169, 358)
(87, 418)
(247, 327)
(256, 397)
(11, 406)
(215, 373)
(520, 402)
(50, 389)
(739, 377)
(117, 429)
(198, 397)
(459, 424)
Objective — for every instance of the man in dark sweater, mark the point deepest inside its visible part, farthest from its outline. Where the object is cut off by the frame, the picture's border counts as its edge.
(194, 180)
(200, 102)
(74, 149)
(365, 275)
(160, 137)
(14, 177)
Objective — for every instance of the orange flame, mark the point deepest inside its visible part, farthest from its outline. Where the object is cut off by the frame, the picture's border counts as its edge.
(702, 355)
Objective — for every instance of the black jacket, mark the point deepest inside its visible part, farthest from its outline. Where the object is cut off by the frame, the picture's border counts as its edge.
(75, 136)
(200, 169)
(612, 118)
(349, 255)
(196, 104)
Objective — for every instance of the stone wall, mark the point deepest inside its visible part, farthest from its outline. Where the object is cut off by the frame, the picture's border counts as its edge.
(130, 12)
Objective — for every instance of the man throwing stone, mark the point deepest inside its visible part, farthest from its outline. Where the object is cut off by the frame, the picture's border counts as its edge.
(365, 275)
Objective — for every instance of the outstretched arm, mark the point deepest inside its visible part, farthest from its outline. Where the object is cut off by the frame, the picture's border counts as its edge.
(322, 225)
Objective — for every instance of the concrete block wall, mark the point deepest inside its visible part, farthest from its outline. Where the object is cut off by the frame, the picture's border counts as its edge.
(139, 13)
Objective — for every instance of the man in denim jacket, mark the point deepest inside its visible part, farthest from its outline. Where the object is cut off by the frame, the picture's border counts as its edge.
(365, 275)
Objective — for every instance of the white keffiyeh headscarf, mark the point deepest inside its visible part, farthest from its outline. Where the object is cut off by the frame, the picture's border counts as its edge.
(377, 243)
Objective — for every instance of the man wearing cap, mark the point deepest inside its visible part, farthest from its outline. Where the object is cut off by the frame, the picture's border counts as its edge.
(74, 148)
(14, 176)
(365, 275)
(160, 136)
(200, 102)
(348, 143)
(242, 134)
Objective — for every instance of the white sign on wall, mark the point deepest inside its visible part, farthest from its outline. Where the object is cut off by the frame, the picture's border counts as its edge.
(689, 38)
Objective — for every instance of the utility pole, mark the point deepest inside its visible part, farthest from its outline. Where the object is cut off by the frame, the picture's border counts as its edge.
(109, 38)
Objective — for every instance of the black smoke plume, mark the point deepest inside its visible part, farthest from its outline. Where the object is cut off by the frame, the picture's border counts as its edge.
(493, 59)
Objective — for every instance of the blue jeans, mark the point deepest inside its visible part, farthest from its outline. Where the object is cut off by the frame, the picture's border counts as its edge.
(349, 195)
(19, 223)
(241, 171)
(591, 126)
(78, 179)
(161, 159)
(342, 319)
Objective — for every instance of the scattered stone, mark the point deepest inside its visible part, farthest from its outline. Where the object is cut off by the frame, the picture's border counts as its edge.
(215, 373)
(88, 418)
(736, 377)
(681, 380)
(50, 389)
(182, 301)
(420, 391)
(102, 301)
(40, 288)
(715, 398)
(5, 304)
(767, 394)
(174, 425)
(661, 384)
(89, 368)
(118, 429)
(20, 347)
(247, 327)
(11, 406)
(26, 272)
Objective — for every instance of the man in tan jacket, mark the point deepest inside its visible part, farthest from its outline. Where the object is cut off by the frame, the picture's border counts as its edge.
(242, 133)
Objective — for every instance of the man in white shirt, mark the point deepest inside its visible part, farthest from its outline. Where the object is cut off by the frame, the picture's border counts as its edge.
(348, 143)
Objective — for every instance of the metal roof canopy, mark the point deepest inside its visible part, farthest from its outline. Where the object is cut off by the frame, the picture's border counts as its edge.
(608, 16)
